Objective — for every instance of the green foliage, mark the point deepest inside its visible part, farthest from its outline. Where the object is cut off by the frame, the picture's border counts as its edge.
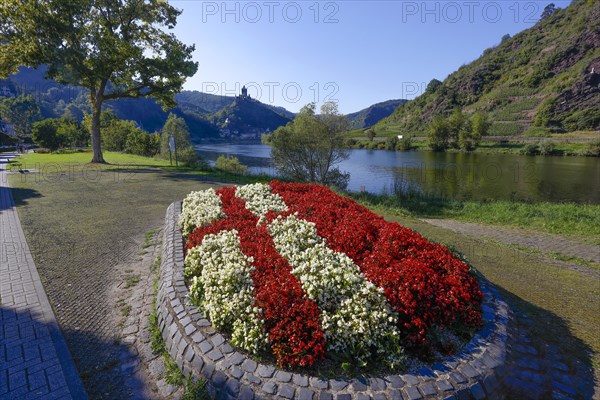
(195, 390)
(457, 126)
(583, 120)
(309, 148)
(142, 143)
(22, 112)
(530, 149)
(480, 124)
(506, 129)
(546, 147)
(439, 134)
(189, 157)
(537, 77)
(406, 143)
(56, 133)
(230, 164)
(123, 44)
(374, 113)
(536, 131)
(544, 114)
(391, 143)
(177, 128)
(549, 10)
(371, 134)
(45, 134)
(73, 133)
(457, 131)
(593, 148)
(114, 135)
(433, 85)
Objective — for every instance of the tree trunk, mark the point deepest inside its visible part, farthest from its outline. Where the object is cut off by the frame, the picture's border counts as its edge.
(96, 100)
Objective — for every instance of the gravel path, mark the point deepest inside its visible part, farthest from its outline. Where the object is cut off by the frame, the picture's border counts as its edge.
(543, 242)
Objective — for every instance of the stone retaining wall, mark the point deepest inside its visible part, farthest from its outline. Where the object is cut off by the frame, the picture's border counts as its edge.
(198, 349)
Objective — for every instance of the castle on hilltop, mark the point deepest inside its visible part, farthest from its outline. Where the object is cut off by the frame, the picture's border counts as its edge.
(244, 94)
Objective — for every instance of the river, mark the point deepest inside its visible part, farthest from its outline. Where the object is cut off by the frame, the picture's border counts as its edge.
(450, 175)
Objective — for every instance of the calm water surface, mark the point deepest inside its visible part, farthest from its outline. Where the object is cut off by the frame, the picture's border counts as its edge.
(453, 175)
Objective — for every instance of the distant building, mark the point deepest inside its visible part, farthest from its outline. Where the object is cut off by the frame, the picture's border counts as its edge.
(244, 94)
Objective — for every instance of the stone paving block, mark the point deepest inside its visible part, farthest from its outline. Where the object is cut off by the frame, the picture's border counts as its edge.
(411, 393)
(395, 381)
(427, 389)
(37, 380)
(246, 393)
(305, 394)
(269, 388)
(325, 396)
(286, 391)
(17, 380)
(300, 380)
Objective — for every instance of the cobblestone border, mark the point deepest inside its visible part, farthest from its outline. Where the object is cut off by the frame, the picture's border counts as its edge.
(198, 349)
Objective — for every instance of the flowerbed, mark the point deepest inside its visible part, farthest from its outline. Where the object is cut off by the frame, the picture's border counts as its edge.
(301, 272)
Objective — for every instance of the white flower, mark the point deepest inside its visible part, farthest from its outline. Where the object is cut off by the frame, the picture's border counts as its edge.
(355, 315)
(221, 284)
(260, 200)
(198, 209)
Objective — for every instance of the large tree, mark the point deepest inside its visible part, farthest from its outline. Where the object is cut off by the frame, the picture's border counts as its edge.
(114, 48)
(309, 148)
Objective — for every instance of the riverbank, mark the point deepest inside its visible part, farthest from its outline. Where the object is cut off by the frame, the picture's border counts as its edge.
(547, 146)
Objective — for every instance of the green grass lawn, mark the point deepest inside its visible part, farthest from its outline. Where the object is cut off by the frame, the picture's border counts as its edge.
(79, 160)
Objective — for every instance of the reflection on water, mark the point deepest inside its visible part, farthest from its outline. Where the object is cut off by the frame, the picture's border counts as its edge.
(451, 175)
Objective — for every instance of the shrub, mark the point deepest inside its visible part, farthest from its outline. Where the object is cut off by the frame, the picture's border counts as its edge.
(230, 164)
(530, 149)
(189, 157)
(142, 143)
(45, 134)
(405, 144)
(593, 149)
(546, 147)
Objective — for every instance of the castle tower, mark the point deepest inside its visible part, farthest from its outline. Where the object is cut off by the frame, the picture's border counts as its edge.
(244, 92)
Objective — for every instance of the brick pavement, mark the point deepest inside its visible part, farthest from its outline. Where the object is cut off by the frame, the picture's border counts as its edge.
(544, 242)
(35, 361)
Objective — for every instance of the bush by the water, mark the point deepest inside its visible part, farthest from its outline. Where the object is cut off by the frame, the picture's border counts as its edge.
(230, 164)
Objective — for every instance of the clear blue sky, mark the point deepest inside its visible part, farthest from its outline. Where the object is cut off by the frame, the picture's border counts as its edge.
(356, 52)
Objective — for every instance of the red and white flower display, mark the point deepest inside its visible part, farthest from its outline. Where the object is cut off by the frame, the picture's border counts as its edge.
(300, 271)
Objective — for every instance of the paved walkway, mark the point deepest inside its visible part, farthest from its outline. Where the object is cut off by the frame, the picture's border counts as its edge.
(544, 242)
(35, 362)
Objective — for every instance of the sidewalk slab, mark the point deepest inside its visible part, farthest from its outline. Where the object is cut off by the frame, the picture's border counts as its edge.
(35, 361)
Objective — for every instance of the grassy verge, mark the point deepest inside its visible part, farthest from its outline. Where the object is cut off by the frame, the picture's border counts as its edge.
(581, 221)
